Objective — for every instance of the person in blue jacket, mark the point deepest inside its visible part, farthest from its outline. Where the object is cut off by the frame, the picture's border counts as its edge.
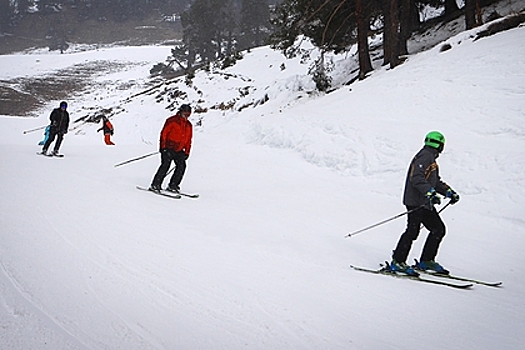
(46, 136)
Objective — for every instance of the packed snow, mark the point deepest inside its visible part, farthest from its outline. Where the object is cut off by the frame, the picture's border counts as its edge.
(260, 260)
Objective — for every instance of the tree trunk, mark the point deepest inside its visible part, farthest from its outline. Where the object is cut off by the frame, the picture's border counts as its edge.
(394, 33)
(450, 7)
(415, 21)
(470, 14)
(479, 19)
(365, 65)
(387, 26)
(405, 26)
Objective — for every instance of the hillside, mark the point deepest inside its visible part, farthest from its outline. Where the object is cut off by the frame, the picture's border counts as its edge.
(260, 260)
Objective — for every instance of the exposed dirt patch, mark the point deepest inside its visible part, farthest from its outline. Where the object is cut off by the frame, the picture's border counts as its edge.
(14, 102)
(23, 96)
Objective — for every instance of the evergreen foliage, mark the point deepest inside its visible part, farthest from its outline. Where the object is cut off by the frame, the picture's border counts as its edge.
(335, 25)
(218, 29)
(254, 23)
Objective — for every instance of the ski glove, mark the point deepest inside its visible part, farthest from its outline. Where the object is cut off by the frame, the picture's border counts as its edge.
(433, 197)
(454, 197)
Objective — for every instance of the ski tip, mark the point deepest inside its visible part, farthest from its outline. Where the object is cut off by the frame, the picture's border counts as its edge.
(493, 284)
(189, 195)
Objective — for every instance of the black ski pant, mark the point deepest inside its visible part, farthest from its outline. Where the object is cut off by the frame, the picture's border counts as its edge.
(166, 157)
(52, 134)
(432, 221)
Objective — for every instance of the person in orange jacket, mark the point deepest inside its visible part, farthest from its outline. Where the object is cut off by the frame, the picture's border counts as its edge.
(108, 130)
(175, 145)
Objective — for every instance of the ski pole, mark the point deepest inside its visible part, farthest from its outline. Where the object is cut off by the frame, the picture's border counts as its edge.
(135, 159)
(393, 218)
(36, 129)
(439, 212)
(445, 207)
(383, 222)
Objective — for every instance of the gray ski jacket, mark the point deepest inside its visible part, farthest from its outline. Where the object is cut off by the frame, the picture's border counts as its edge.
(423, 174)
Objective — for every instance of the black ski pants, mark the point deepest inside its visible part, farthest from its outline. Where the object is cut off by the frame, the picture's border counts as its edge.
(167, 156)
(432, 221)
(52, 134)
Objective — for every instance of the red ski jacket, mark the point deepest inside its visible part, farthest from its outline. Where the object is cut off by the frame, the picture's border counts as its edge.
(177, 134)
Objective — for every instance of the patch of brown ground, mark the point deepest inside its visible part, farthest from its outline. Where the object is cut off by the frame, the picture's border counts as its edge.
(23, 96)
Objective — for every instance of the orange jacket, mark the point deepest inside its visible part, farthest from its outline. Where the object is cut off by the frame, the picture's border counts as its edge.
(177, 134)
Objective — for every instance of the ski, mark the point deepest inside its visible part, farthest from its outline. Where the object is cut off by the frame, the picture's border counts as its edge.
(161, 193)
(464, 279)
(189, 195)
(457, 278)
(44, 154)
(382, 271)
(50, 155)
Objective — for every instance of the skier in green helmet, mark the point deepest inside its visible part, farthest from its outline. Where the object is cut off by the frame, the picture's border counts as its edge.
(422, 187)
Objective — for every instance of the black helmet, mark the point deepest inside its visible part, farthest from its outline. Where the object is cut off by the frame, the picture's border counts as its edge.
(63, 104)
(185, 108)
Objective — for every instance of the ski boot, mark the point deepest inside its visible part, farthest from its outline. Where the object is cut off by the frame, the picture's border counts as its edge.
(154, 188)
(173, 189)
(401, 267)
(431, 265)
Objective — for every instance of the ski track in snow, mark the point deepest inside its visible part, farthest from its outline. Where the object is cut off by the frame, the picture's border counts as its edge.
(24, 317)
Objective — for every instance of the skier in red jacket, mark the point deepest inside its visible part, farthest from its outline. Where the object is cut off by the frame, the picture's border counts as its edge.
(175, 145)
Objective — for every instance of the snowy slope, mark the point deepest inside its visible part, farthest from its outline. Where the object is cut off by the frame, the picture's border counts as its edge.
(260, 261)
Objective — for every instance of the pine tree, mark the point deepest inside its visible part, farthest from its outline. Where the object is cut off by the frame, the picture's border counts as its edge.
(254, 23)
(363, 27)
(6, 14)
(451, 7)
(332, 25)
(209, 32)
(472, 13)
(329, 24)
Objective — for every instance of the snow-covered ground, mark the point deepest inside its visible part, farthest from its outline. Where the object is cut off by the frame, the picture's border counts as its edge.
(260, 260)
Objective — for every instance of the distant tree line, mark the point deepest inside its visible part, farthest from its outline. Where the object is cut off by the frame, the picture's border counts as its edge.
(12, 11)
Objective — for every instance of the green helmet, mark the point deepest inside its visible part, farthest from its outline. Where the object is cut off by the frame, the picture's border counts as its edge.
(435, 139)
